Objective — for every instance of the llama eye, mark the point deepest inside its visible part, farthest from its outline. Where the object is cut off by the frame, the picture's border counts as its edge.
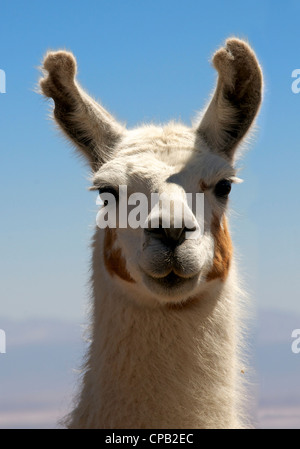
(222, 188)
(110, 190)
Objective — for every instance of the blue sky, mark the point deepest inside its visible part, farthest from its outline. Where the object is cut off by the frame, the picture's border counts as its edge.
(146, 61)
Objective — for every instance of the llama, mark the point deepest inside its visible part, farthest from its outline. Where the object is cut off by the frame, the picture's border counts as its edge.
(166, 323)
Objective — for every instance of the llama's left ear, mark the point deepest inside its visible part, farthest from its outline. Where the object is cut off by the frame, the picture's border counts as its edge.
(236, 100)
(84, 121)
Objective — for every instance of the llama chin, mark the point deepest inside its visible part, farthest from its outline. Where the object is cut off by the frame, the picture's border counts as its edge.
(166, 345)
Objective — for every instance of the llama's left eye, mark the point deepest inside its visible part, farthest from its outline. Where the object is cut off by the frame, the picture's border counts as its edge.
(104, 190)
(223, 188)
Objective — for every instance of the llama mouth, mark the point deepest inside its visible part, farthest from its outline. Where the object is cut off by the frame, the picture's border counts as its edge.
(171, 280)
(170, 283)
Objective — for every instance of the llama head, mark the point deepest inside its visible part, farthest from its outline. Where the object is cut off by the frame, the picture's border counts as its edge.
(177, 252)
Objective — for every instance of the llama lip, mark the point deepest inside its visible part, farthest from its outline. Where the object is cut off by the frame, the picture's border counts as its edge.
(172, 281)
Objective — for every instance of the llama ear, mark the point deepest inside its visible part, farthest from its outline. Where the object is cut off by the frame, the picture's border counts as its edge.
(87, 124)
(236, 99)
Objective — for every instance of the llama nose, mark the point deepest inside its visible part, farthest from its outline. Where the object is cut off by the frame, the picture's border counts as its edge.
(170, 236)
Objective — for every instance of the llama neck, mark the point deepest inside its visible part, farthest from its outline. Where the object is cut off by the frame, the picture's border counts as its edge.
(162, 367)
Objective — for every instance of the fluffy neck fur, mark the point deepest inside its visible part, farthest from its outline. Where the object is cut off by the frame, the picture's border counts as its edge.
(165, 367)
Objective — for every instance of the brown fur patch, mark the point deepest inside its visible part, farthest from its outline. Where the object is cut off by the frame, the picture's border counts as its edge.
(223, 250)
(113, 258)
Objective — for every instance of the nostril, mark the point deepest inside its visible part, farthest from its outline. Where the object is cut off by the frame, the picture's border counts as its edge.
(170, 235)
(178, 235)
(192, 229)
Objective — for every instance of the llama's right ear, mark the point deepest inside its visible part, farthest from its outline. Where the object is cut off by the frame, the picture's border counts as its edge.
(236, 100)
(87, 124)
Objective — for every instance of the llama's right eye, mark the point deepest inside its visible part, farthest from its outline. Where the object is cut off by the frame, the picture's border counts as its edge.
(223, 188)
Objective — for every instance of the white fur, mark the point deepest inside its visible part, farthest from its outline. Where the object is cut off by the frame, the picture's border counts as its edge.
(163, 355)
